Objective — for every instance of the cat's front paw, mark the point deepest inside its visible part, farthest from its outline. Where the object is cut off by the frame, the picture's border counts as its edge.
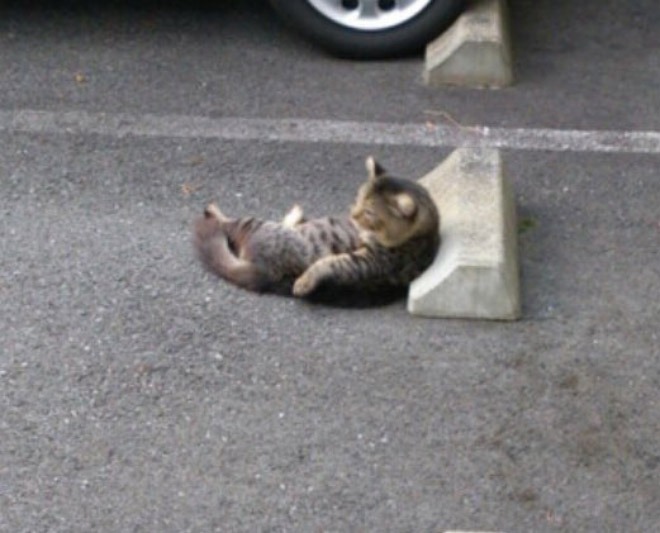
(304, 286)
(294, 217)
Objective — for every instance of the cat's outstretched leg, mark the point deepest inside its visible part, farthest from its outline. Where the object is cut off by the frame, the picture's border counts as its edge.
(343, 269)
(213, 211)
(294, 217)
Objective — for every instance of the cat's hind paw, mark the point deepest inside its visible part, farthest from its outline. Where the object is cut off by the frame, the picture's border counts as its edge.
(213, 211)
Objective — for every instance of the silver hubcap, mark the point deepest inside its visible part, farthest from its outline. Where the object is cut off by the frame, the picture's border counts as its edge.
(369, 15)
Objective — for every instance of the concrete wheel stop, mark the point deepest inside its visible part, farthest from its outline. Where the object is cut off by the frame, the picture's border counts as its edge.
(475, 51)
(475, 273)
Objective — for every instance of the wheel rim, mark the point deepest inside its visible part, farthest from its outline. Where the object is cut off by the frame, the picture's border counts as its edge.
(369, 15)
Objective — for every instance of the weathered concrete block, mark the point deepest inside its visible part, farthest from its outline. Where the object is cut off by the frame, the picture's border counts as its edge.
(475, 51)
(475, 274)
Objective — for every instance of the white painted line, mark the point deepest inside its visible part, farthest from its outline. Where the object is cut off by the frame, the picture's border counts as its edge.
(327, 131)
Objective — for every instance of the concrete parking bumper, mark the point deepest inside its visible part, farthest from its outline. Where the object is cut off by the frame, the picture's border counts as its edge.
(475, 51)
(475, 274)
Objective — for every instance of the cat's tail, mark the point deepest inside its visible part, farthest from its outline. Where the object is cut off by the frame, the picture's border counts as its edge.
(218, 257)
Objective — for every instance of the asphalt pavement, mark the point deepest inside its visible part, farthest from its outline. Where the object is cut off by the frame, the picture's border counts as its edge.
(137, 393)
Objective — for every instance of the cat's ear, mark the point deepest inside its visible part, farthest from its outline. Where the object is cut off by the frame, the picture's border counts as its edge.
(374, 170)
(405, 204)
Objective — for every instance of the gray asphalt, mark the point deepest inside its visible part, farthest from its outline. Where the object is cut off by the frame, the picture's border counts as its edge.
(139, 394)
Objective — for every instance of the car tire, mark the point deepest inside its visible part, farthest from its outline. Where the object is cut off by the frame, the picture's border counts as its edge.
(343, 40)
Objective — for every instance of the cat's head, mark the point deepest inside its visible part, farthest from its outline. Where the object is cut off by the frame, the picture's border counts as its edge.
(393, 210)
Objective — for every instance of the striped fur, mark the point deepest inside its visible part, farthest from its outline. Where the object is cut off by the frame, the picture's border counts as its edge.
(390, 238)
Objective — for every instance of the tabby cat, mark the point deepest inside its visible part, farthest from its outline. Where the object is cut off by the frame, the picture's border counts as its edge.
(390, 238)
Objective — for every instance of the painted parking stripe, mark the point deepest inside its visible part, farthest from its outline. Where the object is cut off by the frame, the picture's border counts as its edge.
(327, 131)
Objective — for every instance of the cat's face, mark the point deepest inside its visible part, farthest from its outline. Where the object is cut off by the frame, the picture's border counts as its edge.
(391, 209)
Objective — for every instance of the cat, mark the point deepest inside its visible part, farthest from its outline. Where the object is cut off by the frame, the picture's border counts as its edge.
(390, 237)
